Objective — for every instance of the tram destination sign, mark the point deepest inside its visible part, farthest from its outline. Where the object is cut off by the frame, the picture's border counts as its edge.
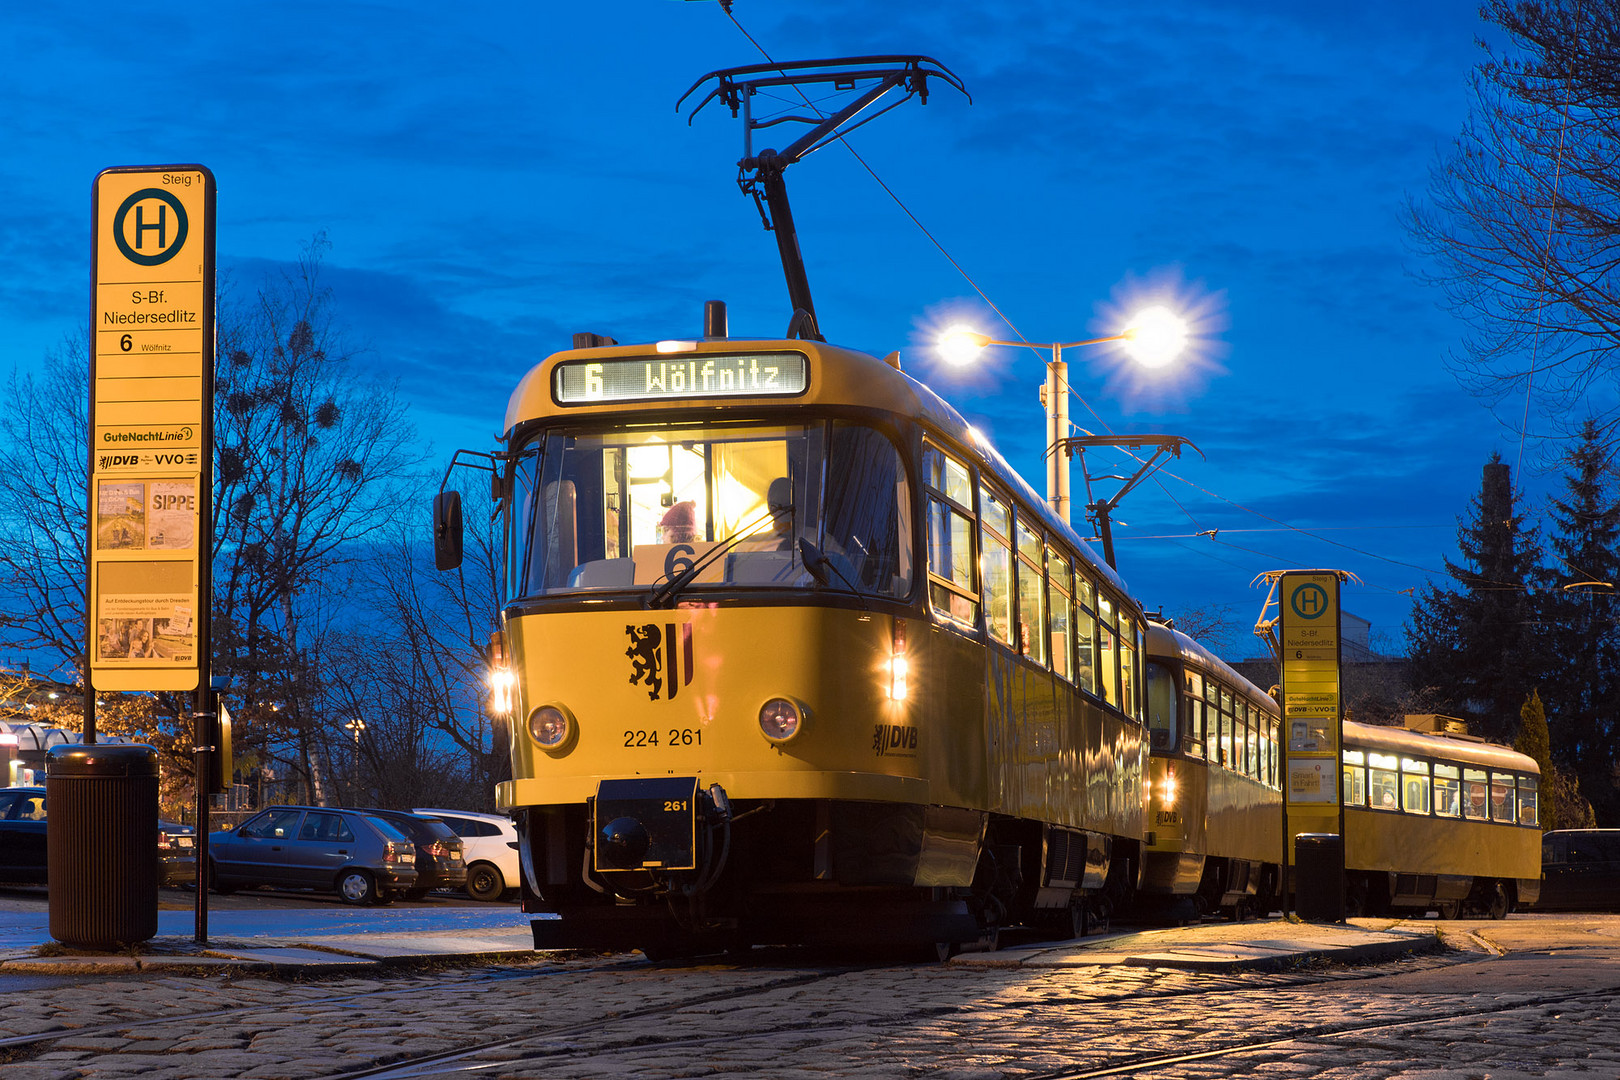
(669, 378)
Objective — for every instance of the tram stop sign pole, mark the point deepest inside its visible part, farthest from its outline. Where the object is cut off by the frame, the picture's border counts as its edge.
(150, 459)
(1313, 734)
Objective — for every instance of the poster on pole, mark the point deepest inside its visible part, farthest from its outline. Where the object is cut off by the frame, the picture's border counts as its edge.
(151, 421)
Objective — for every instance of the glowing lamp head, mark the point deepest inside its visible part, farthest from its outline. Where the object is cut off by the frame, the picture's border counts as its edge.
(501, 682)
(960, 345)
(1155, 337)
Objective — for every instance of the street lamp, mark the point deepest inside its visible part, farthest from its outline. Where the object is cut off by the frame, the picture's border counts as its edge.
(1154, 337)
(356, 725)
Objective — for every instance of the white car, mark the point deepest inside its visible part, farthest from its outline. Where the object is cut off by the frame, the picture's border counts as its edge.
(490, 849)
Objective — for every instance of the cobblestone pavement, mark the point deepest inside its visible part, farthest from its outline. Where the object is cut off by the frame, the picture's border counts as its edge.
(1529, 997)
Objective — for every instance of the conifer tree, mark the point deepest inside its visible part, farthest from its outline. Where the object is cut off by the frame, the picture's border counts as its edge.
(1578, 606)
(1472, 640)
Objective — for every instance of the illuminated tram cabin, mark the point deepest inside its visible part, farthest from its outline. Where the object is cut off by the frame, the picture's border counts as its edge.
(797, 657)
(1215, 797)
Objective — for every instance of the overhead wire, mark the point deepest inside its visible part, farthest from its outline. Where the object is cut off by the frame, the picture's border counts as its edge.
(1066, 386)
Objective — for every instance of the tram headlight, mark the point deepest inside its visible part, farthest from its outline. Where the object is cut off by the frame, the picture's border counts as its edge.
(552, 727)
(1169, 787)
(781, 719)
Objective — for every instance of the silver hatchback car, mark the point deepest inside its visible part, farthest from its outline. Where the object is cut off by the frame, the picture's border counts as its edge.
(359, 856)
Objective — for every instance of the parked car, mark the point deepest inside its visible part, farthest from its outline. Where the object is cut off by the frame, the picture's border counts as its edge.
(490, 848)
(23, 842)
(439, 862)
(354, 853)
(22, 835)
(177, 854)
(1580, 870)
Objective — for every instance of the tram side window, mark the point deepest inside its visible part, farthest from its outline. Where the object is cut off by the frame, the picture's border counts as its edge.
(1060, 609)
(1085, 635)
(996, 521)
(1383, 781)
(953, 583)
(1128, 652)
(1476, 797)
(1193, 734)
(1161, 706)
(1414, 786)
(1228, 748)
(1031, 594)
(1447, 790)
(1354, 771)
(1252, 742)
(1502, 808)
(1212, 719)
(1272, 755)
(1527, 801)
(1107, 651)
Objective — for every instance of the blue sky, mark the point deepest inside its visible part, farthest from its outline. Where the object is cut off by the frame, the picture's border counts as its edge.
(493, 177)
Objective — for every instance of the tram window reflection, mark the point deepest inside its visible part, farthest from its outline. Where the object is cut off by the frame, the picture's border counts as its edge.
(1354, 770)
(1447, 790)
(1383, 781)
(1085, 644)
(996, 523)
(1107, 651)
(1060, 606)
(1161, 707)
(1528, 804)
(1031, 594)
(1193, 736)
(1502, 807)
(1414, 786)
(1476, 797)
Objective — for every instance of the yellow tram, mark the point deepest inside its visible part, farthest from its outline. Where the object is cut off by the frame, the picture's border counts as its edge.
(798, 658)
(1215, 797)
(1438, 822)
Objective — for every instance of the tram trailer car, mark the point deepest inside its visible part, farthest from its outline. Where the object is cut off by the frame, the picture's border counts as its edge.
(1214, 837)
(798, 658)
(1438, 822)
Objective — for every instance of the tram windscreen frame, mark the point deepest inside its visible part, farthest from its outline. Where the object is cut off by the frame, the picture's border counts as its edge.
(602, 507)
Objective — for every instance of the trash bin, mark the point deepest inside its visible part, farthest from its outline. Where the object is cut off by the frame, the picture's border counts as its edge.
(101, 843)
(1319, 877)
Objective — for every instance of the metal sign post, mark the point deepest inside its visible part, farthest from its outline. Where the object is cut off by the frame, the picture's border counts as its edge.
(150, 462)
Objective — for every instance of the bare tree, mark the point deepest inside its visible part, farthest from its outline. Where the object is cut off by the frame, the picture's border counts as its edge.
(427, 669)
(313, 461)
(1522, 220)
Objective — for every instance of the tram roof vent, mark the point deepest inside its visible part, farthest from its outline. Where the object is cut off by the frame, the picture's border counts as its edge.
(593, 341)
(1434, 722)
(714, 319)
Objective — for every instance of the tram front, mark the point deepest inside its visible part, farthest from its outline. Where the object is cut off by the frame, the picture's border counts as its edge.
(708, 573)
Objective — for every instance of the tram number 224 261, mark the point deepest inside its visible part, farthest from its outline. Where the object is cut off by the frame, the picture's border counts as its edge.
(674, 737)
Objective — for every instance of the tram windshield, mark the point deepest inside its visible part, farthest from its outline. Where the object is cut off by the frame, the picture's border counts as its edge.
(720, 506)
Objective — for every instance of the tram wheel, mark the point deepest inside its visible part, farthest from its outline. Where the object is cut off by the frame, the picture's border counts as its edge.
(1496, 900)
(1448, 909)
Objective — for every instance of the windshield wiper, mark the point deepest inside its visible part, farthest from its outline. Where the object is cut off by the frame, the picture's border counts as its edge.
(816, 562)
(667, 592)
